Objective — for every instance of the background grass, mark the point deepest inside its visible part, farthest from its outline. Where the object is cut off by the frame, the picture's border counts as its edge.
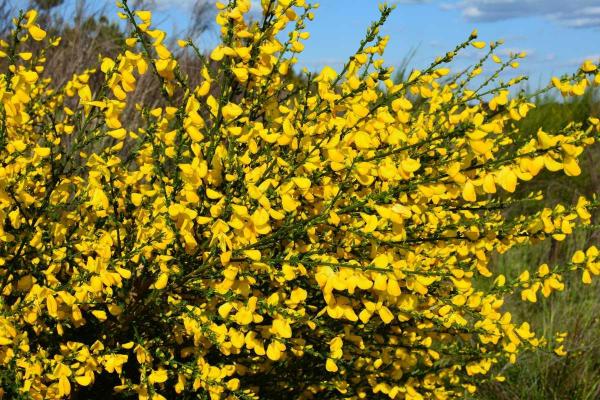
(545, 376)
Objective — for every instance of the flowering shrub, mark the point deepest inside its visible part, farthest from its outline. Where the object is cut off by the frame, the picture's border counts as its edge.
(264, 235)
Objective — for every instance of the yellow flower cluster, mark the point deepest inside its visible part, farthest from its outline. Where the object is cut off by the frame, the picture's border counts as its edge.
(263, 234)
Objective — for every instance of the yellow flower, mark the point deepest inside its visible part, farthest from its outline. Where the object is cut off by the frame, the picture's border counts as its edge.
(37, 33)
(231, 111)
(158, 376)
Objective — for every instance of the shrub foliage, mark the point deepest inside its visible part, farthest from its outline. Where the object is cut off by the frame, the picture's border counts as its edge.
(264, 234)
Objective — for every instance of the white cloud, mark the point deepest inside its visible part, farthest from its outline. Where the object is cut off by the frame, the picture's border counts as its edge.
(187, 4)
(507, 51)
(571, 13)
(472, 12)
(179, 4)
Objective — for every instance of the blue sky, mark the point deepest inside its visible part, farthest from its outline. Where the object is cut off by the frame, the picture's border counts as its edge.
(556, 34)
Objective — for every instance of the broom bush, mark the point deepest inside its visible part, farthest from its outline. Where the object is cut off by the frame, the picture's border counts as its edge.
(260, 233)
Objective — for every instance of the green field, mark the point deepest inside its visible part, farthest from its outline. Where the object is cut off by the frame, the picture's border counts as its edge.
(545, 376)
